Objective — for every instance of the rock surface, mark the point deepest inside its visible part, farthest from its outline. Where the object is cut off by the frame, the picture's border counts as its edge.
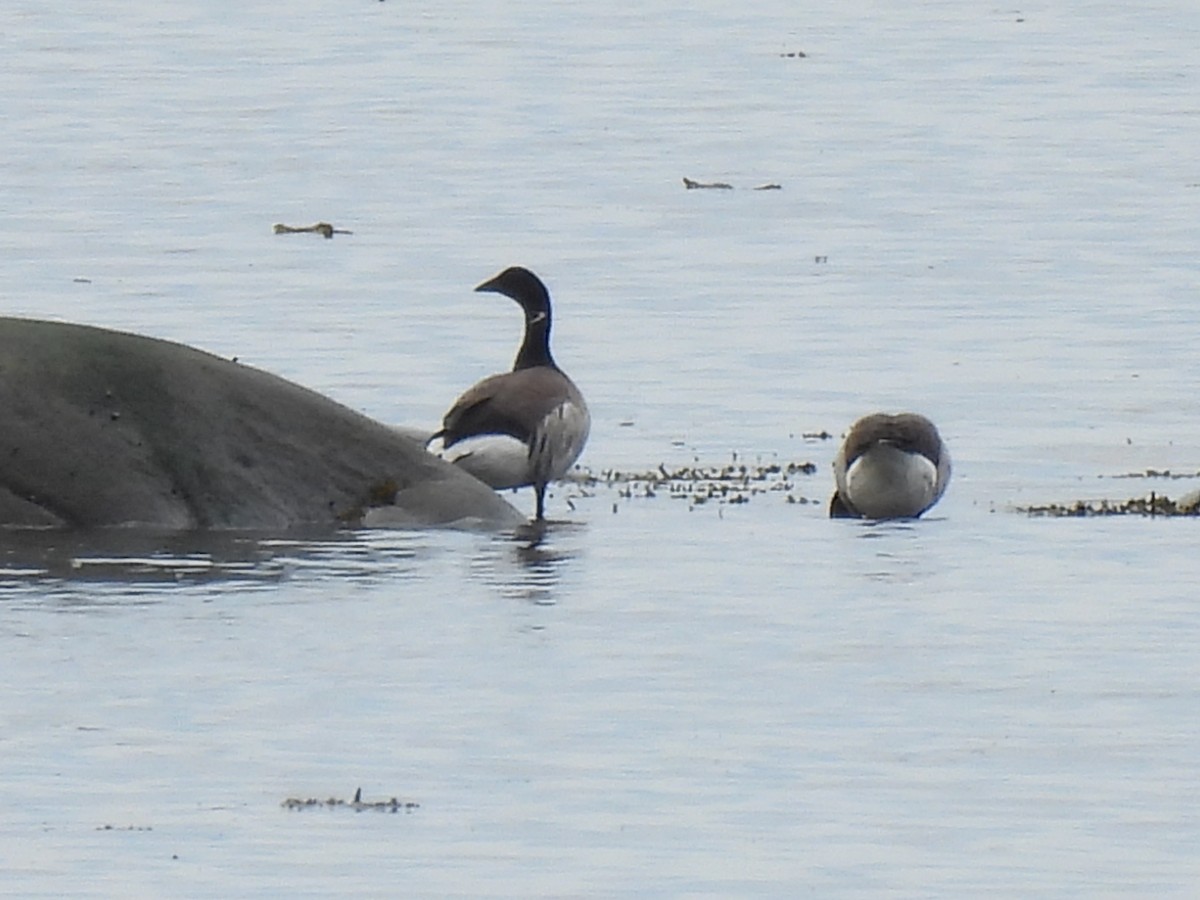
(101, 428)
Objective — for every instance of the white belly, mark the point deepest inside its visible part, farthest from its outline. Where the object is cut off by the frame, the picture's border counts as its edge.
(495, 459)
(889, 483)
(504, 462)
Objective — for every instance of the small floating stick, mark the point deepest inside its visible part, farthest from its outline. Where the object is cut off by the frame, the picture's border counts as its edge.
(322, 228)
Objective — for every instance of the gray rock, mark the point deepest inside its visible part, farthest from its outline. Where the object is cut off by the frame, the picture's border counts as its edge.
(100, 428)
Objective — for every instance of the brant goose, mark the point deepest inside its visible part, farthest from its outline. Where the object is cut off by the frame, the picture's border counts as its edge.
(527, 426)
(889, 467)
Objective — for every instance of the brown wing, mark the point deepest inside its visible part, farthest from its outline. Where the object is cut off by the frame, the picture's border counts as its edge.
(513, 403)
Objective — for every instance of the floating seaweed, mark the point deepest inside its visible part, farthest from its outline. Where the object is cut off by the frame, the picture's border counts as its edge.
(324, 229)
(1153, 505)
(358, 804)
(1156, 473)
(706, 185)
(733, 483)
(692, 185)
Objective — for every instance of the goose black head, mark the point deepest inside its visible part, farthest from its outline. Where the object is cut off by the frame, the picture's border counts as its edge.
(523, 286)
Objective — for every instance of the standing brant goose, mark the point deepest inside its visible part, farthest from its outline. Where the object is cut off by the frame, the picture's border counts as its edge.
(889, 467)
(527, 426)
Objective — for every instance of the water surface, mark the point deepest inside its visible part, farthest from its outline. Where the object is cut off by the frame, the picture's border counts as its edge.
(987, 215)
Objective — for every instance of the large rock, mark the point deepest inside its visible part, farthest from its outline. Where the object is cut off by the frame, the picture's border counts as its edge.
(100, 428)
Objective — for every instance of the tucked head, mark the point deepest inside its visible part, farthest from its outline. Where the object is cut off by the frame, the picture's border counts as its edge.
(889, 467)
(906, 431)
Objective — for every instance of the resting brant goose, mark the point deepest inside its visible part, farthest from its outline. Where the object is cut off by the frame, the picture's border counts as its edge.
(889, 467)
(527, 426)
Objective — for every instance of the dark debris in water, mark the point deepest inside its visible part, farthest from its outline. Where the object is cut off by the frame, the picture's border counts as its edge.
(1154, 505)
(1156, 473)
(324, 229)
(693, 185)
(358, 804)
(732, 483)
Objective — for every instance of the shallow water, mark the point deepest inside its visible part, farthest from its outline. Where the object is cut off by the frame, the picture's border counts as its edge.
(986, 215)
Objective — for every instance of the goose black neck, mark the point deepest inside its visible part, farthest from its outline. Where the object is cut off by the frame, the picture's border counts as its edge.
(521, 285)
(535, 348)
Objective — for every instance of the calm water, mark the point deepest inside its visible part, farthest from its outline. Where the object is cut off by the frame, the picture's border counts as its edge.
(988, 215)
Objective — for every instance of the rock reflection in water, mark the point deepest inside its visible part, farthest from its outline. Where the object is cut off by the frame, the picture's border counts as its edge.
(147, 557)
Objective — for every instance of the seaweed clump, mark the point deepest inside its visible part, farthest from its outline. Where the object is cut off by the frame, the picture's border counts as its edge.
(324, 229)
(733, 483)
(1153, 505)
(382, 493)
(358, 804)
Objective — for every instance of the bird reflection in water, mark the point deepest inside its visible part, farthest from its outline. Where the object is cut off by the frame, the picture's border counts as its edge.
(526, 564)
